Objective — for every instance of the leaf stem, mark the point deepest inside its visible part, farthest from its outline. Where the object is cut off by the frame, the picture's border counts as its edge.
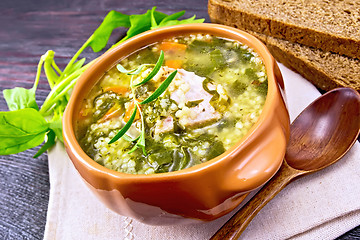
(77, 54)
(57, 69)
(50, 73)
(59, 88)
(38, 72)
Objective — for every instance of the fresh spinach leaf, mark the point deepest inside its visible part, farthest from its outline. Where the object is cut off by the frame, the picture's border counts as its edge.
(19, 98)
(141, 23)
(113, 20)
(98, 40)
(60, 90)
(50, 141)
(184, 21)
(77, 65)
(153, 19)
(21, 130)
(56, 126)
(174, 16)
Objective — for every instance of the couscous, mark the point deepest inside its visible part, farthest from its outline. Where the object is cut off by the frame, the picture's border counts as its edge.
(217, 93)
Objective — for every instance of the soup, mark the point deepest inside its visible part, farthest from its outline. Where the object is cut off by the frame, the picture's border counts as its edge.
(205, 96)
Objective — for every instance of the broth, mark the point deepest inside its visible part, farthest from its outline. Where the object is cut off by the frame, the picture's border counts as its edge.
(215, 98)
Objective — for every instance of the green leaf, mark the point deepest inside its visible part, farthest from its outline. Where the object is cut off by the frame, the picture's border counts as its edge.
(161, 88)
(125, 128)
(154, 71)
(98, 40)
(174, 16)
(102, 34)
(141, 23)
(77, 65)
(184, 21)
(135, 71)
(191, 104)
(60, 90)
(20, 98)
(50, 141)
(152, 19)
(21, 130)
(159, 16)
(56, 126)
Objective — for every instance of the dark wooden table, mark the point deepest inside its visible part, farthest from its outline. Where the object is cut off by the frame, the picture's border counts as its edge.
(27, 30)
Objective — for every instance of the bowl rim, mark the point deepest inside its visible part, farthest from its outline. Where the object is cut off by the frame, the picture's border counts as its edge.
(73, 146)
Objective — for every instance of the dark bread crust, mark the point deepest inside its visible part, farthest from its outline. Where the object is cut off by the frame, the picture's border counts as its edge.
(324, 69)
(230, 12)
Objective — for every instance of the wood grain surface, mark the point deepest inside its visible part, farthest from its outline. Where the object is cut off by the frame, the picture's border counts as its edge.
(28, 28)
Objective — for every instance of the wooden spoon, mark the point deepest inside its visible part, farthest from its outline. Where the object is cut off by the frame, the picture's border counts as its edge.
(319, 137)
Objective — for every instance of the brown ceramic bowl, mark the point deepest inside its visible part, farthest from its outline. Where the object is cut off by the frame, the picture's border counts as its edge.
(203, 192)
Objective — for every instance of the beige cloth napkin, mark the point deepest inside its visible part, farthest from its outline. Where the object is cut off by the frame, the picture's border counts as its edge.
(323, 205)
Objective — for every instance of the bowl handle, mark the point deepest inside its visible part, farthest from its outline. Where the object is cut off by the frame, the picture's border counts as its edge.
(259, 162)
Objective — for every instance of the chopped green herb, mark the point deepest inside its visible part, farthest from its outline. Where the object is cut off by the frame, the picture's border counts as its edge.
(125, 128)
(160, 90)
(155, 70)
(191, 104)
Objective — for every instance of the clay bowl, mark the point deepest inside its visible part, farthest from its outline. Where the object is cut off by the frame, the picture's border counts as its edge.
(203, 192)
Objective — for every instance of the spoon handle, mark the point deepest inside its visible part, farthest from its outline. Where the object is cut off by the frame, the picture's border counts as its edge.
(233, 228)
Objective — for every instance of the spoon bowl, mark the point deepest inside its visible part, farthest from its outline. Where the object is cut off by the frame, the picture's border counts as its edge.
(323, 133)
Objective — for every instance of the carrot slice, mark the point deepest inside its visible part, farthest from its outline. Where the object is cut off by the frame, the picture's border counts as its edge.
(115, 111)
(174, 63)
(172, 46)
(129, 112)
(117, 89)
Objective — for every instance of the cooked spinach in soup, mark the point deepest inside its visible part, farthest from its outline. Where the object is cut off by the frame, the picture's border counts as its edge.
(205, 96)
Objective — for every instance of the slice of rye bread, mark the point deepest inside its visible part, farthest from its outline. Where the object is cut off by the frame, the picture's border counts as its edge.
(325, 70)
(331, 25)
